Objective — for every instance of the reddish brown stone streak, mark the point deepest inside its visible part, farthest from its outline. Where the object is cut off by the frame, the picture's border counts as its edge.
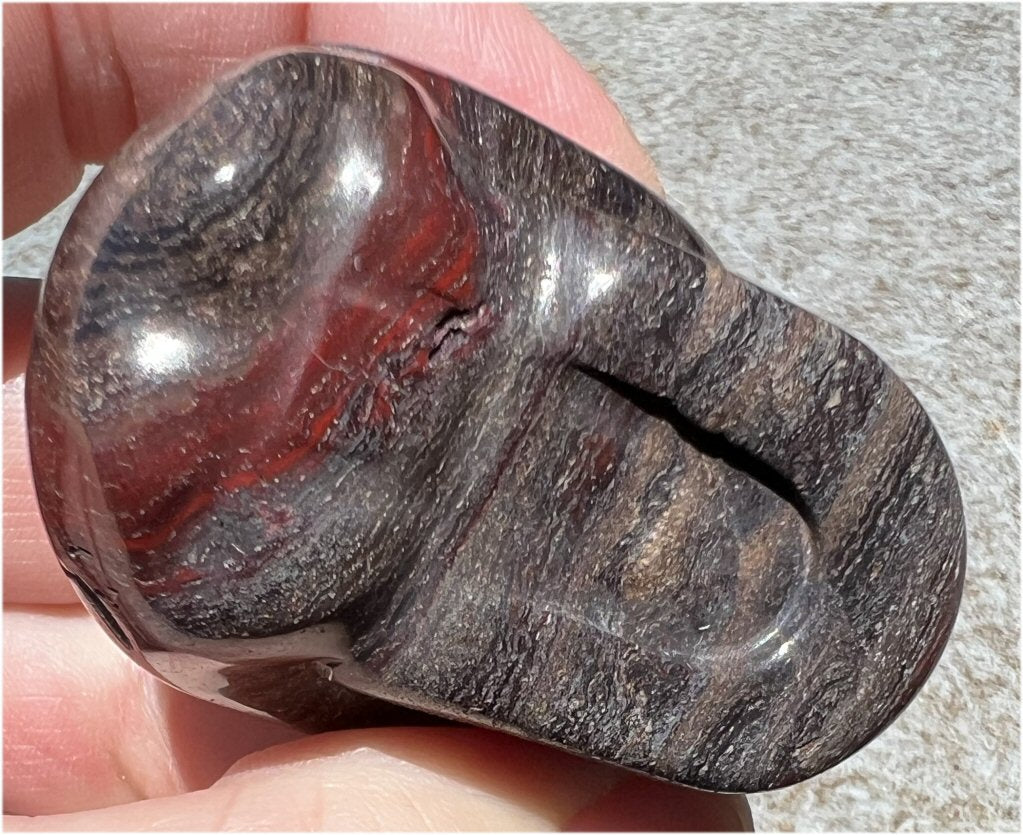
(433, 225)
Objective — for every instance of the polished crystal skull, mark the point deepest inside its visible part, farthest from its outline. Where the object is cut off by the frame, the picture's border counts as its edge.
(350, 381)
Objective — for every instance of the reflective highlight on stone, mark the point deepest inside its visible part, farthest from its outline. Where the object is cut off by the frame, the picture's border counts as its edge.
(350, 381)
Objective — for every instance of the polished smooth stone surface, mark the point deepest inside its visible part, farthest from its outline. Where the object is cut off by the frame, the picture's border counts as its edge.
(355, 376)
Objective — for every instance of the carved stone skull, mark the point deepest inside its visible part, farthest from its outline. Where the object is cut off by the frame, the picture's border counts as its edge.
(349, 379)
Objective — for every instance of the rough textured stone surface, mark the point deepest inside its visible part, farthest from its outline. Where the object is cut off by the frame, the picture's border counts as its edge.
(355, 367)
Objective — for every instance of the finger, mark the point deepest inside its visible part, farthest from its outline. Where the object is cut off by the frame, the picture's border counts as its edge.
(401, 779)
(39, 168)
(32, 574)
(84, 727)
(81, 78)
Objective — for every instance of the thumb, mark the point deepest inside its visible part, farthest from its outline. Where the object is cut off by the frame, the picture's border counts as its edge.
(416, 779)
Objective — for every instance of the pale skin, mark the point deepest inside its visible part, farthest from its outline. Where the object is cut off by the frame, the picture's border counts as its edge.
(91, 741)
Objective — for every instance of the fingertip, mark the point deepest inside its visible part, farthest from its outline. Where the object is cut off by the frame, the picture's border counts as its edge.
(543, 783)
(39, 168)
(168, 50)
(97, 100)
(409, 779)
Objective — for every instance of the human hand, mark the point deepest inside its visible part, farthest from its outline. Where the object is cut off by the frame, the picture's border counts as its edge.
(90, 740)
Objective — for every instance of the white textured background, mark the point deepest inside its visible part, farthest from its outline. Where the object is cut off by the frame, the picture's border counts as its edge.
(864, 162)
